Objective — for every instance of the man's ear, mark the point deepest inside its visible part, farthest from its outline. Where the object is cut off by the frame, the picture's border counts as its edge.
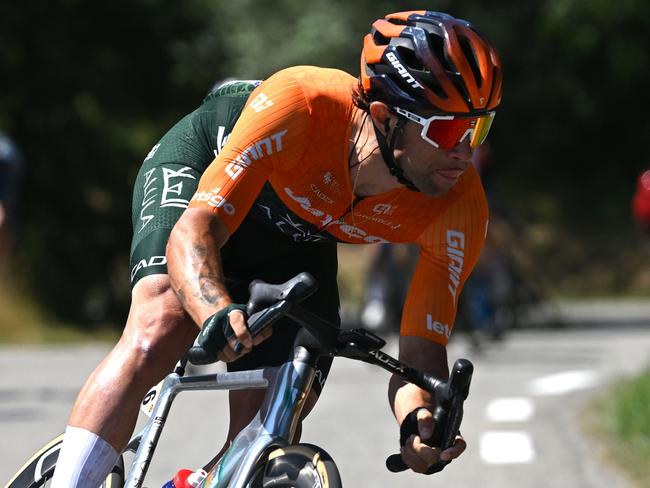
(381, 116)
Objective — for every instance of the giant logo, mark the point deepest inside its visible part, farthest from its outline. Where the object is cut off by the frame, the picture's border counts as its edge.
(402, 71)
(265, 147)
(456, 255)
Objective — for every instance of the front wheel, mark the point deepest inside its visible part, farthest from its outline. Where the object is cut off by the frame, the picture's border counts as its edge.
(39, 470)
(297, 466)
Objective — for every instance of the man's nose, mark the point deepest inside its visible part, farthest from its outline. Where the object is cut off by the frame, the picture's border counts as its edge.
(461, 151)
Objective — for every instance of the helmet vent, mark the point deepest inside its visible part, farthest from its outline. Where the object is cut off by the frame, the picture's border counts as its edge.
(472, 59)
(380, 39)
(409, 59)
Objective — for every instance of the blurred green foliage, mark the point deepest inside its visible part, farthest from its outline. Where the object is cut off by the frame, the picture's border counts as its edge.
(86, 88)
(620, 417)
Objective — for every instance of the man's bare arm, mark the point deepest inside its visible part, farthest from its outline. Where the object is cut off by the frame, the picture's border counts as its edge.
(194, 263)
(426, 356)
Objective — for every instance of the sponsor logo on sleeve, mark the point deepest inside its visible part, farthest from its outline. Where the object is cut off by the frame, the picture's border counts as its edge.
(456, 255)
(438, 327)
(152, 152)
(173, 187)
(260, 102)
(168, 196)
(215, 200)
(148, 199)
(264, 147)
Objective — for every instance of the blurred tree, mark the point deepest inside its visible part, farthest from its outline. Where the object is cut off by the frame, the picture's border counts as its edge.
(87, 88)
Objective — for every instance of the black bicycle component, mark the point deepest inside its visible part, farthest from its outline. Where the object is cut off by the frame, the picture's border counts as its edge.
(295, 290)
(358, 343)
(447, 415)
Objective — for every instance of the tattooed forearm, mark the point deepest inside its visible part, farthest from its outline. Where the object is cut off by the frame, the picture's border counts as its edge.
(194, 264)
(211, 290)
(205, 269)
(199, 253)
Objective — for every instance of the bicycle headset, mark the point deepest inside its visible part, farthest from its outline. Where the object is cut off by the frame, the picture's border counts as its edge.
(424, 60)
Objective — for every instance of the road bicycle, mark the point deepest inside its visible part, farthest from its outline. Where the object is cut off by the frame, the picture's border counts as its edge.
(263, 454)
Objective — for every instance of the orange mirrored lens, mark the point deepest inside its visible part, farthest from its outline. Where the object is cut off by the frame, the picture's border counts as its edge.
(481, 130)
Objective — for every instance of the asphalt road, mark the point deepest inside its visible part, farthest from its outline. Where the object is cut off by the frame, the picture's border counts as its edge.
(523, 417)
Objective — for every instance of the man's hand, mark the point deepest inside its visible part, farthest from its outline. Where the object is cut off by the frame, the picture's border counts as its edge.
(222, 331)
(419, 456)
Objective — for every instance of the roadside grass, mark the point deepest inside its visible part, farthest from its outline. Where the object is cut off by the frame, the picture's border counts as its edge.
(22, 321)
(621, 420)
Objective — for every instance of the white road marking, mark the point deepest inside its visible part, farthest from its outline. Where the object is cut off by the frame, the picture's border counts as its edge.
(507, 447)
(510, 410)
(562, 383)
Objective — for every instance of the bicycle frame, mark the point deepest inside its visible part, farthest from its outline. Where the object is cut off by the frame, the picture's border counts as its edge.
(287, 387)
(274, 425)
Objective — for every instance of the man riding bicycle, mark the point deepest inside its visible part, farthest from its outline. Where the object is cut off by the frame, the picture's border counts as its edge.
(316, 157)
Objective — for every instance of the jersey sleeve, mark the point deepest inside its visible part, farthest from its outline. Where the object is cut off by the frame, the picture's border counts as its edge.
(449, 250)
(272, 132)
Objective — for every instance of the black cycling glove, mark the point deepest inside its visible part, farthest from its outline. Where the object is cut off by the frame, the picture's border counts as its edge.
(216, 330)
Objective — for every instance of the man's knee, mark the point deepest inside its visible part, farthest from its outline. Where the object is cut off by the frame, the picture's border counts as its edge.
(158, 330)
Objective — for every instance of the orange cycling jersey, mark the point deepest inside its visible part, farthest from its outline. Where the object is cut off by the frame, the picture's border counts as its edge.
(287, 161)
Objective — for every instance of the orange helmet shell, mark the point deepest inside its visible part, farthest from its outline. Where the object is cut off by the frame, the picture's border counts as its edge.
(430, 60)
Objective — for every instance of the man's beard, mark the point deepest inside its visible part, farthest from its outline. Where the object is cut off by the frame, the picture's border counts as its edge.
(423, 181)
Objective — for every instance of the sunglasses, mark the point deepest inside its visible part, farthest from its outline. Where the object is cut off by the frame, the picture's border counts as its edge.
(447, 131)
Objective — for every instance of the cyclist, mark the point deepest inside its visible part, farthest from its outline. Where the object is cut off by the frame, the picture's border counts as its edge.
(318, 158)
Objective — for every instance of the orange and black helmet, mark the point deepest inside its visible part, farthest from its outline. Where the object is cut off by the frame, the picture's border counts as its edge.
(422, 59)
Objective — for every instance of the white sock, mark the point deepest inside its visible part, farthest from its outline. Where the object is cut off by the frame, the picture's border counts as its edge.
(85, 460)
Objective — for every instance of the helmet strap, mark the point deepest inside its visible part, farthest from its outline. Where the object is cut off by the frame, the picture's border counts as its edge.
(386, 148)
